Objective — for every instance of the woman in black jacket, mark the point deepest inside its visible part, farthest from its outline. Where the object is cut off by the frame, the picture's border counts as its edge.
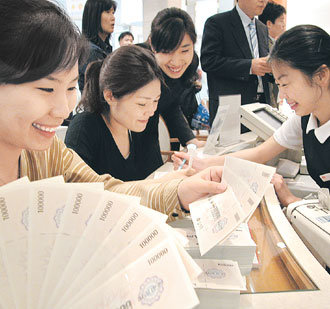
(97, 25)
(172, 40)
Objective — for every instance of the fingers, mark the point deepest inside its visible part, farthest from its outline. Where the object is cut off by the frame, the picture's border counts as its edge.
(278, 181)
(189, 172)
(214, 173)
(181, 155)
(178, 158)
(200, 144)
(260, 66)
(211, 187)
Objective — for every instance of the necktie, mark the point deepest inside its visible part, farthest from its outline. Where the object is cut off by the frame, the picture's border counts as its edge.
(254, 39)
(255, 51)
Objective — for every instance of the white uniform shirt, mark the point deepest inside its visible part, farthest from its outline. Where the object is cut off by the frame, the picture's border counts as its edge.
(290, 134)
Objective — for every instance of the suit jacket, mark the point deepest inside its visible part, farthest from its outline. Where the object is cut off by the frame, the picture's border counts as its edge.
(226, 58)
(273, 89)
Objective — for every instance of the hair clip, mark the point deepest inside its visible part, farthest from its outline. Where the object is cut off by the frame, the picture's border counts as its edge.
(319, 48)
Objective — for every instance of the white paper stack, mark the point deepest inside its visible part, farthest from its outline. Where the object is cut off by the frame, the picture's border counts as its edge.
(217, 216)
(219, 286)
(78, 246)
(239, 246)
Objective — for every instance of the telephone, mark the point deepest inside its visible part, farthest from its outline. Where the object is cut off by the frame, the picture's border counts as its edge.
(261, 119)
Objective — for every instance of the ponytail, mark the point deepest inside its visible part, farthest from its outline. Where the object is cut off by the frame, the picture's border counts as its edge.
(123, 72)
(92, 98)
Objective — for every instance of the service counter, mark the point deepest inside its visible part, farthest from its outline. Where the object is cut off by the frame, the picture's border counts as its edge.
(288, 275)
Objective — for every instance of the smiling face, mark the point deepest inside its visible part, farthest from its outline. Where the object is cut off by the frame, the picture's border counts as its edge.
(133, 111)
(108, 21)
(252, 7)
(301, 94)
(277, 28)
(30, 112)
(175, 63)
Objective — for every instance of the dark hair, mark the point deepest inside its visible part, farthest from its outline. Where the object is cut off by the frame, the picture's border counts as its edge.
(304, 47)
(91, 20)
(37, 39)
(123, 34)
(126, 70)
(271, 12)
(168, 29)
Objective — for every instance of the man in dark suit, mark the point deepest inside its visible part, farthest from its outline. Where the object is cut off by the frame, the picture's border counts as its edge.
(234, 54)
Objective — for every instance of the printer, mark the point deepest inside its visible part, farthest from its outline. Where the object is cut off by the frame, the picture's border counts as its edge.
(311, 221)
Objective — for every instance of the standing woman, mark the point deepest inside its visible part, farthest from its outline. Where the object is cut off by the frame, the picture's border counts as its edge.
(98, 23)
(121, 94)
(172, 40)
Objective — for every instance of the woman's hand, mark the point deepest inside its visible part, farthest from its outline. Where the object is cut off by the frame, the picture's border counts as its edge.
(197, 142)
(200, 185)
(283, 193)
(176, 174)
(198, 164)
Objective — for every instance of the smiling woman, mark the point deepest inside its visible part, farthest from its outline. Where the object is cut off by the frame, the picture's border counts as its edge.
(172, 40)
(121, 94)
(38, 75)
(300, 61)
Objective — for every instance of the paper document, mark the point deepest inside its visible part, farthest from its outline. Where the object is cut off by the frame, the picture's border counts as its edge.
(215, 217)
(219, 274)
(146, 283)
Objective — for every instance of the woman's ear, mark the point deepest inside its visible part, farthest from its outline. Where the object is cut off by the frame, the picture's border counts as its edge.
(323, 76)
(108, 96)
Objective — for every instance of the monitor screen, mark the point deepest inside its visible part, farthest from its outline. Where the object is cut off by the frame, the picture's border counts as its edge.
(269, 118)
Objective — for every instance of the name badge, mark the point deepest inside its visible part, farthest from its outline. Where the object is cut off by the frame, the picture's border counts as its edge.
(325, 177)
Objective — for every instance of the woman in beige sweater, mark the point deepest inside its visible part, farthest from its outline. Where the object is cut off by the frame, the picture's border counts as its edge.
(39, 53)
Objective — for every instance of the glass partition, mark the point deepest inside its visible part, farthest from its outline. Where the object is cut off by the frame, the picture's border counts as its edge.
(278, 270)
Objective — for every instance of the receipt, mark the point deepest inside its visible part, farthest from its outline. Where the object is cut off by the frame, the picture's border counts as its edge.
(219, 274)
(215, 217)
(158, 279)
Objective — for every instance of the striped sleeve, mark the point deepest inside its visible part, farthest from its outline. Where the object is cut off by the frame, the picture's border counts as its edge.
(60, 160)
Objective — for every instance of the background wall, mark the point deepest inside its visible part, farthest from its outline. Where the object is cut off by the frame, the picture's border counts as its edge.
(309, 12)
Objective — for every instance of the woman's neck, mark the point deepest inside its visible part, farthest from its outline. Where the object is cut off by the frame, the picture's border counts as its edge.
(103, 36)
(9, 165)
(120, 135)
(322, 113)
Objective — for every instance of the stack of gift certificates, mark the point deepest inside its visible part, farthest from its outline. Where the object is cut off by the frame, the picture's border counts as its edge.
(78, 246)
(239, 246)
(216, 217)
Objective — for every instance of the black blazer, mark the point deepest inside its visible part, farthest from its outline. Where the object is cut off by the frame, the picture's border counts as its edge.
(226, 58)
